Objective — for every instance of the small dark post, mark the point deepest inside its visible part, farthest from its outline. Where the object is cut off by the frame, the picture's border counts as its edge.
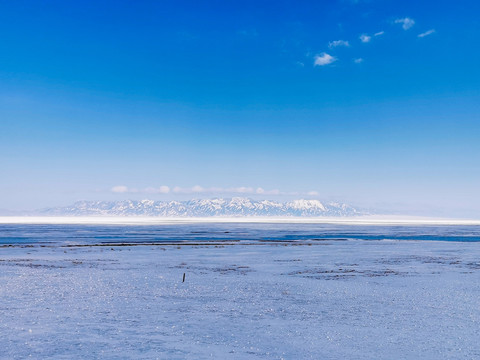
(183, 277)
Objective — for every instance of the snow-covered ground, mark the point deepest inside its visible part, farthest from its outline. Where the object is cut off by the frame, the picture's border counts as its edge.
(158, 220)
(311, 300)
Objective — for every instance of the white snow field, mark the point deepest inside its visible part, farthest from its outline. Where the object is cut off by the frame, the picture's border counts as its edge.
(157, 220)
(328, 299)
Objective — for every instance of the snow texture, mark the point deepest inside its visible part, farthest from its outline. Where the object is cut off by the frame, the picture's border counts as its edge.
(291, 299)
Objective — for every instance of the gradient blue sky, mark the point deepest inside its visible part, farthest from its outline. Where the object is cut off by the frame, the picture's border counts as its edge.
(153, 98)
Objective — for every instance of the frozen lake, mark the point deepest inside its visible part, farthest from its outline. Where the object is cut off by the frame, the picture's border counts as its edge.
(267, 291)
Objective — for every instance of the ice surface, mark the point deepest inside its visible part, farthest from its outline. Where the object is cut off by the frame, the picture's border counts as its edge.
(327, 299)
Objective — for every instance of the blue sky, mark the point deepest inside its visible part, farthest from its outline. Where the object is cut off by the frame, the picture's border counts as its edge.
(375, 103)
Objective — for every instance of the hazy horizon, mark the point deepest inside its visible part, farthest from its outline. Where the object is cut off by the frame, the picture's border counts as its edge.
(398, 213)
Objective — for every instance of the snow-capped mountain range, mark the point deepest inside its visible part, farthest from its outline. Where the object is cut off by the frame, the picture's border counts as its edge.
(233, 207)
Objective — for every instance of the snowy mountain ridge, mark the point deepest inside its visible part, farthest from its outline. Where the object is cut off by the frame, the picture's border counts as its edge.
(237, 206)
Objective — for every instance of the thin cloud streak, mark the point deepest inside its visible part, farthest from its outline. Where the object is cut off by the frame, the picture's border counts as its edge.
(426, 33)
(337, 43)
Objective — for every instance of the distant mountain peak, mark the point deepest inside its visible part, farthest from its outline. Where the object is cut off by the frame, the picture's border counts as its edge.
(234, 207)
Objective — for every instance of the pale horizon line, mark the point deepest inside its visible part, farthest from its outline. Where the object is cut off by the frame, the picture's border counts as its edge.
(159, 220)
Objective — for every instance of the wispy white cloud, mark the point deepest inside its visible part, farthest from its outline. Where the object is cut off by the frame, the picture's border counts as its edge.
(323, 59)
(219, 190)
(197, 189)
(164, 189)
(122, 189)
(241, 190)
(426, 33)
(406, 22)
(337, 43)
(358, 60)
(380, 33)
(160, 190)
(261, 191)
(365, 38)
(119, 189)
